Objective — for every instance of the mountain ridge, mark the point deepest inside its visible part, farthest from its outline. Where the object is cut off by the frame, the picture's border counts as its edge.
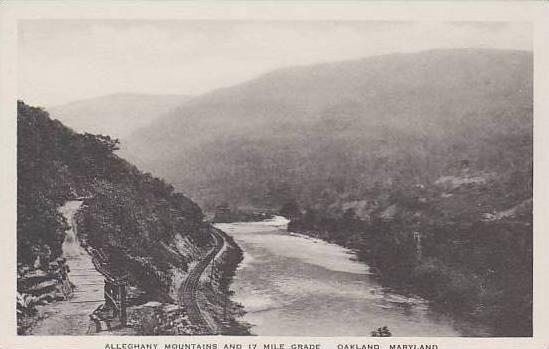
(117, 114)
(426, 96)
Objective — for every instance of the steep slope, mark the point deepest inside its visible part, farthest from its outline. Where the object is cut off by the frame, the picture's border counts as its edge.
(116, 115)
(138, 224)
(422, 163)
(258, 142)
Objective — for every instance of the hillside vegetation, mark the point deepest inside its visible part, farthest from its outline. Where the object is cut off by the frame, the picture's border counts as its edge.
(142, 226)
(341, 129)
(421, 162)
(132, 216)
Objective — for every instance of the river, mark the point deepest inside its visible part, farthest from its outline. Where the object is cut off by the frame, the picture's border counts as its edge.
(294, 285)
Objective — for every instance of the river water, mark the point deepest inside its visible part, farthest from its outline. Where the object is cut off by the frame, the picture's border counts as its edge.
(294, 285)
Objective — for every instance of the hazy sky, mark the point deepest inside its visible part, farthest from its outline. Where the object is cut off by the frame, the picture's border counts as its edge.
(66, 60)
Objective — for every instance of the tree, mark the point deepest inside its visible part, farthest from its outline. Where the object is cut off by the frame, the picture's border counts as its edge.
(222, 213)
(381, 332)
(290, 210)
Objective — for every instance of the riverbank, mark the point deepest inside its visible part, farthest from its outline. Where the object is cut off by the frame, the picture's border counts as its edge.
(212, 294)
(400, 279)
(294, 285)
(412, 263)
(215, 294)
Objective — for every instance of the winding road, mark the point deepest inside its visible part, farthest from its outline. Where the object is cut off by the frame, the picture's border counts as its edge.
(187, 292)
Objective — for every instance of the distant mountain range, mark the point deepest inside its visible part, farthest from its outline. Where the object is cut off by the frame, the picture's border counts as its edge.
(116, 115)
(304, 132)
(420, 162)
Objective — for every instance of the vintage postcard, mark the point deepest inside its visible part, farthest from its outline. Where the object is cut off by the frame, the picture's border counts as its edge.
(274, 175)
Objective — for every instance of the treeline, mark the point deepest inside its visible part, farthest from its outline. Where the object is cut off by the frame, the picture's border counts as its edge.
(377, 154)
(342, 131)
(137, 220)
(467, 248)
(224, 213)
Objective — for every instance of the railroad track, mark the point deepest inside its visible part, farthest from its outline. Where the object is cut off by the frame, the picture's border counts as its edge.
(187, 292)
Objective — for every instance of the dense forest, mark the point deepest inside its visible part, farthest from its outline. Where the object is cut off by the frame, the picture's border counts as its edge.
(139, 223)
(132, 216)
(467, 247)
(421, 162)
(339, 130)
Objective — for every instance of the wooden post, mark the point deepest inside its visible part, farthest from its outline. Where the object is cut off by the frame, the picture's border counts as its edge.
(110, 298)
(116, 297)
(122, 295)
(225, 308)
(106, 289)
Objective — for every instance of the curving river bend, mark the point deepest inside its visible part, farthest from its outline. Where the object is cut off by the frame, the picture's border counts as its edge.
(293, 285)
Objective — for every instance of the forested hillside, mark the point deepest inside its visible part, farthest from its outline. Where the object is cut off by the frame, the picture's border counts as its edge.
(338, 131)
(142, 226)
(421, 162)
(132, 214)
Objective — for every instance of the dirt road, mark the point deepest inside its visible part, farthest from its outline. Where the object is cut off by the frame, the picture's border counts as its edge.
(71, 317)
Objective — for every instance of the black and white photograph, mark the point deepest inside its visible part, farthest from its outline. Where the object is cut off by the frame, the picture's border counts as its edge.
(282, 178)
